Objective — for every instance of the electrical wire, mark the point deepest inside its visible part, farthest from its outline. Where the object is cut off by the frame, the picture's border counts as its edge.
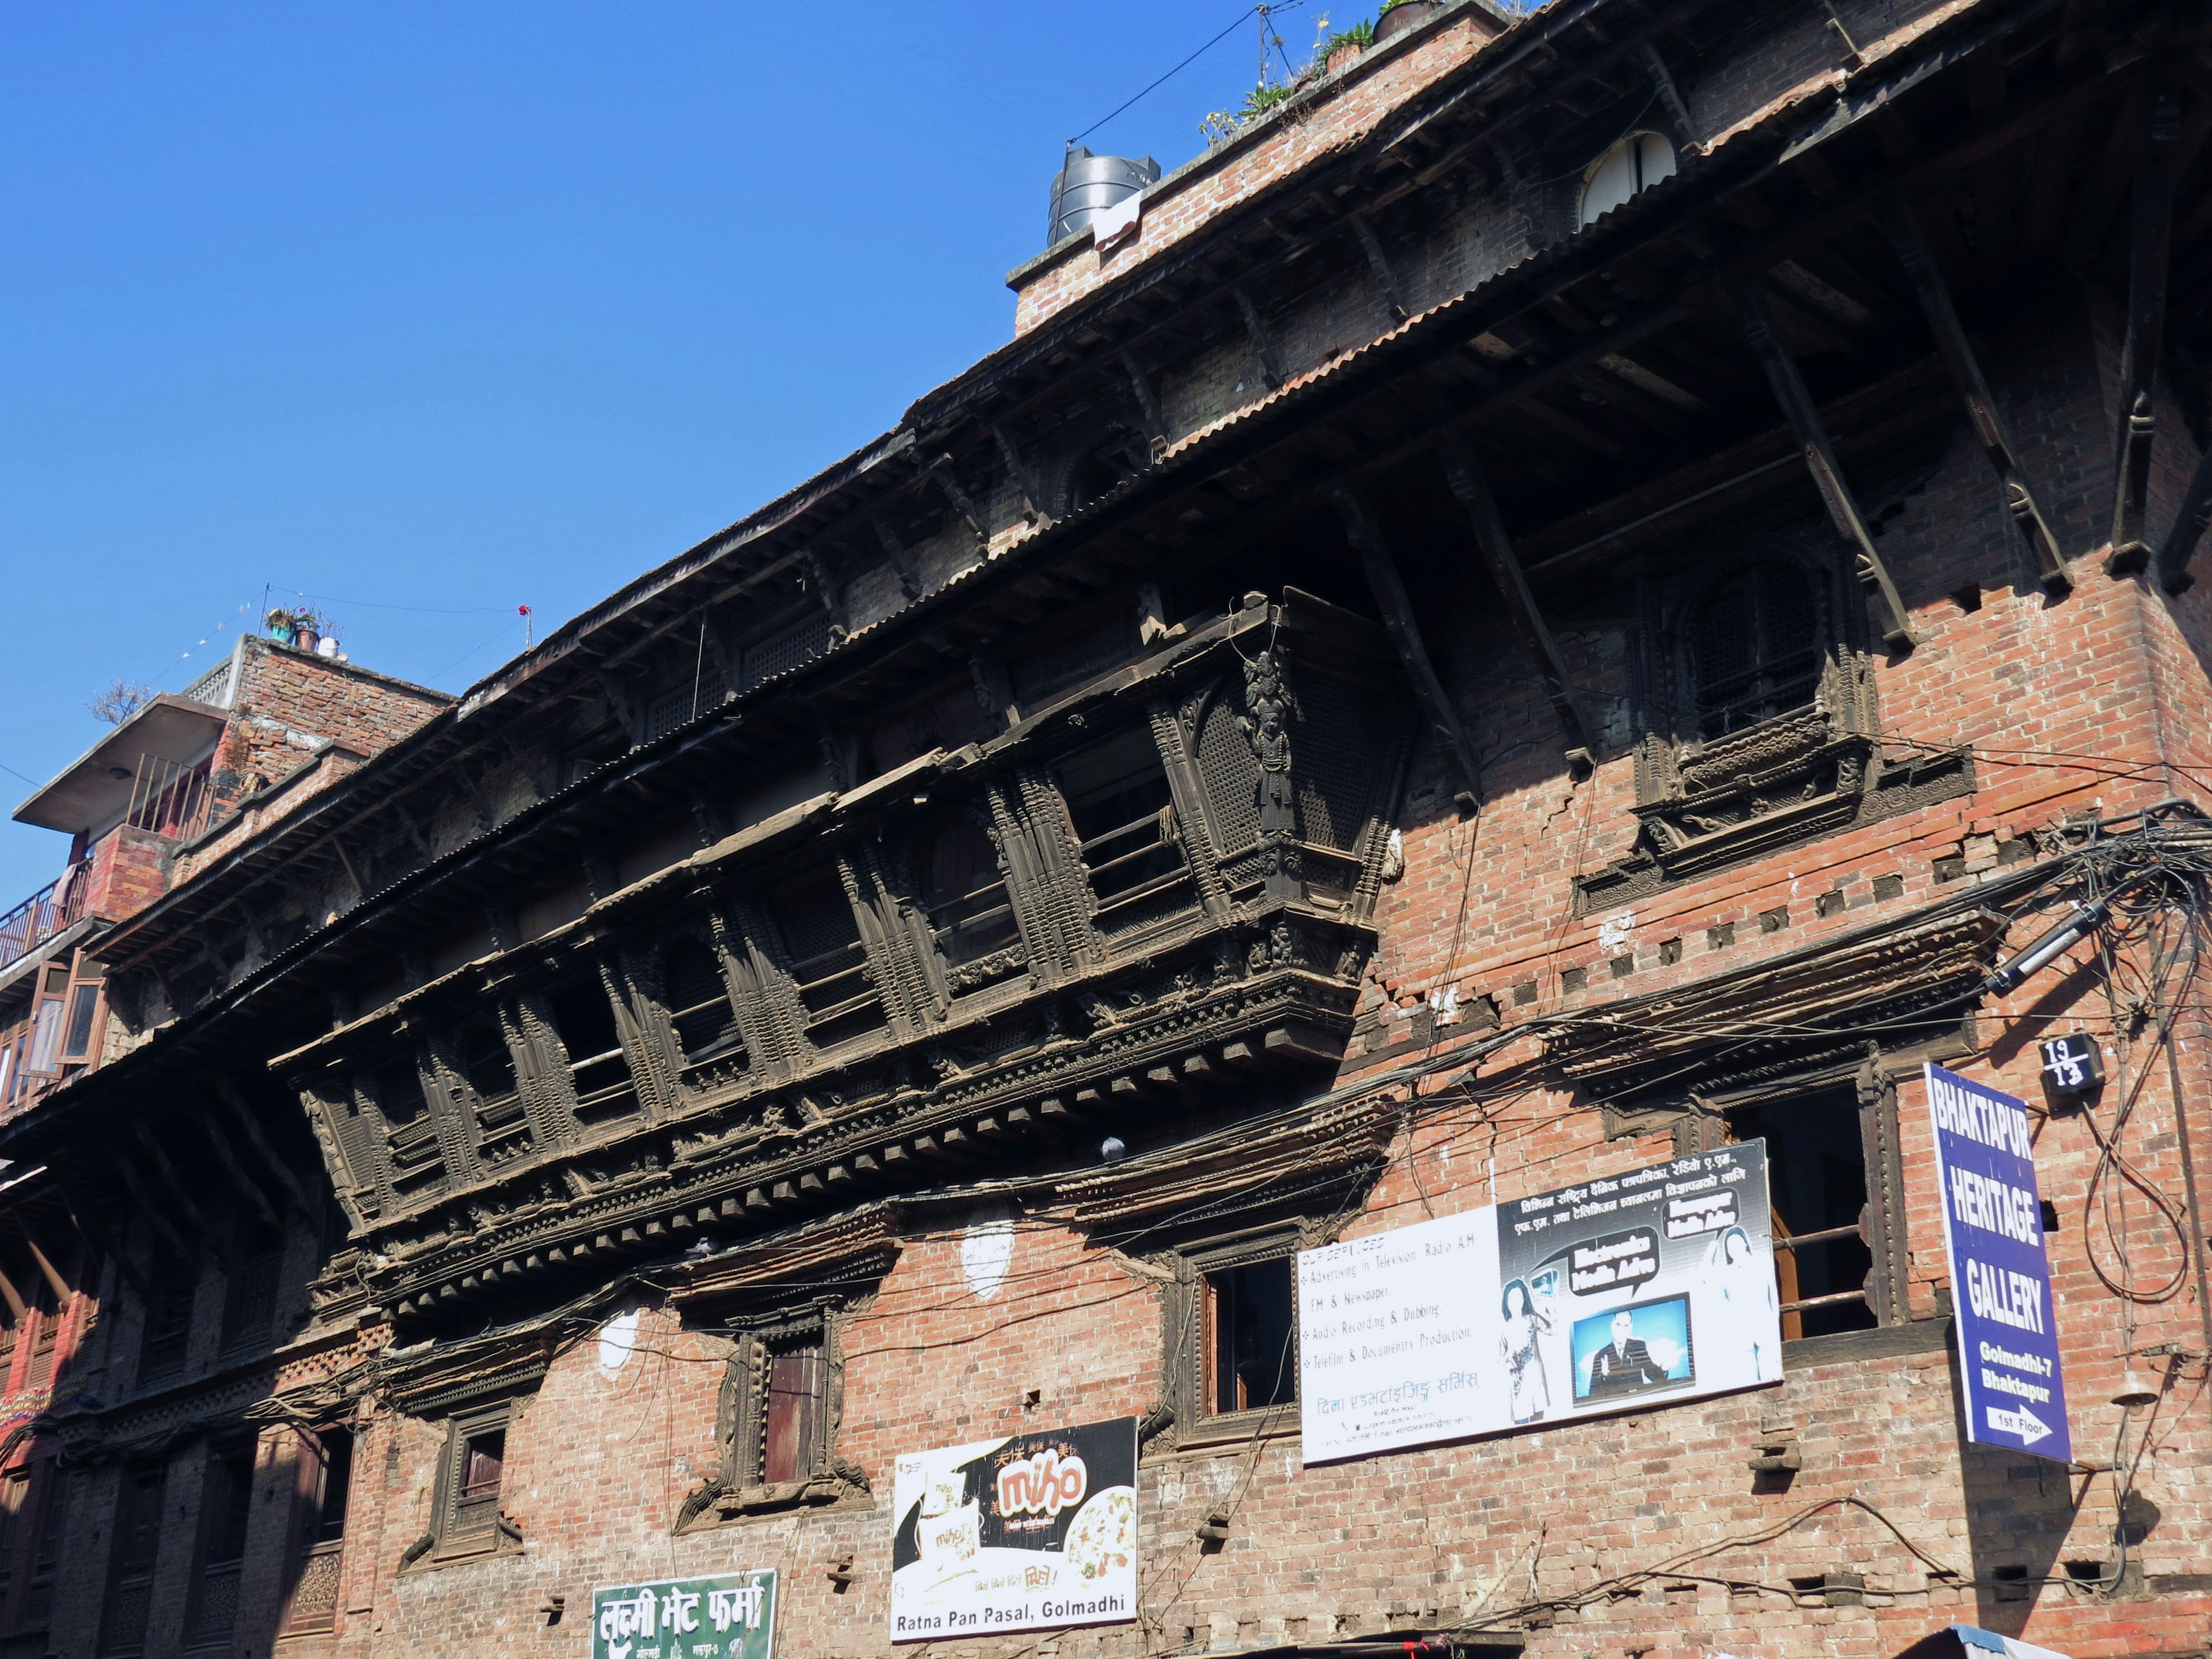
(1249, 11)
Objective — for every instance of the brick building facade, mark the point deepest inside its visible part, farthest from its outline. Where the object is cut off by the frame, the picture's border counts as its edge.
(1562, 602)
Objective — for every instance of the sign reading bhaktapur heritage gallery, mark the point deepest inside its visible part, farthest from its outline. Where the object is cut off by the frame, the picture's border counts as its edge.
(1656, 1285)
(729, 1617)
(1038, 1532)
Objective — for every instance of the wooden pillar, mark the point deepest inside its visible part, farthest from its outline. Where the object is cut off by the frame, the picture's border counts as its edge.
(1919, 262)
(1468, 483)
(2149, 248)
(1803, 416)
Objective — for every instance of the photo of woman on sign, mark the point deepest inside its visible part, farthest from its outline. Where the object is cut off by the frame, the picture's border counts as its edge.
(1522, 1348)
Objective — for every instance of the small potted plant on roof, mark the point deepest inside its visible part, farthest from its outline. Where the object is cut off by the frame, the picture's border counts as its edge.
(1343, 48)
(1399, 15)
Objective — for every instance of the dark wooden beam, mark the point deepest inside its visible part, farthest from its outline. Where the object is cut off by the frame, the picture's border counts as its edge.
(2150, 243)
(910, 578)
(186, 1250)
(1803, 416)
(1403, 625)
(1263, 348)
(1966, 370)
(242, 1116)
(219, 1144)
(1465, 476)
(1380, 266)
(2189, 525)
(1685, 132)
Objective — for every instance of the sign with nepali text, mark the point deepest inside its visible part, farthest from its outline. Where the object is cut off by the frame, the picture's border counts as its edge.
(1037, 1532)
(2007, 1330)
(731, 1616)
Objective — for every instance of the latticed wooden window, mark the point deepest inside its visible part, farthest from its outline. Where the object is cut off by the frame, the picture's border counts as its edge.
(487, 1066)
(168, 1328)
(250, 1296)
(1754, 648)
(137, 1545)
(326, 1487)
(44, 1317)
(50, 1491)
(698, 998)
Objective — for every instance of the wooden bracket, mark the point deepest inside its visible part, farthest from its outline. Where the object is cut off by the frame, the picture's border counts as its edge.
(1380, 266)
(941, 474)
(1024, 485)
(219, 1144)
(1399, 621)
(1803, 416)
(1919, 262)
(910, 578)
(2189, 525)
(1686, 133)
(1148, 400)
(1271, 367)
(1468, 483)
(186, 1249)
(2149, 259)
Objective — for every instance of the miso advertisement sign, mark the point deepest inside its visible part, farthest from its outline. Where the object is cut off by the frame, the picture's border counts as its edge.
(1038, 1532)
(1646, 1287)
(2016, 1395)
(731, 1616)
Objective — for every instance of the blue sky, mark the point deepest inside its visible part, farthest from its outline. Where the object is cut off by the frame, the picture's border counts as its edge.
(428, 311)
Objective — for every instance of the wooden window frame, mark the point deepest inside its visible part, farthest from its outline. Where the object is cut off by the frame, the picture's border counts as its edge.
(225, 1463)
(304, 1613)
(500, 1537)
(742, 1488)
(1190, 1336)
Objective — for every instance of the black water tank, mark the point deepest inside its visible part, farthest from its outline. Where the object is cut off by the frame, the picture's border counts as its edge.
(1089, 185)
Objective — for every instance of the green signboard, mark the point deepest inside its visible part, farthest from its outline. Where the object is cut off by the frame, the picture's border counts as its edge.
(729, 1617)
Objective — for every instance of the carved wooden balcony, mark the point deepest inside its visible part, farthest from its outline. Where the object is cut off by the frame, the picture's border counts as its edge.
(1154, 889)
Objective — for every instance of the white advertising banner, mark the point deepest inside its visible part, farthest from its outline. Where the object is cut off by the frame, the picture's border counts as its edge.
(1649, 1287)
(1037, 1532)
(1392, 1349)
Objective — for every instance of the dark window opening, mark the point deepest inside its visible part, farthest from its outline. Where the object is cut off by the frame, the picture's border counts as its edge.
(585, 1020)
(487, 1065)
(486, 1061)
(479, 1466)
(337, 1484)
(698, 999)
(412, 1131)
(168, 1329)
(1250, 1359)
(793, 1414)
(250, 1298)
(399, 1092)
(963, 893)
(829, 963)
(1754, 648)
(1117, 798)
(1816, 1171)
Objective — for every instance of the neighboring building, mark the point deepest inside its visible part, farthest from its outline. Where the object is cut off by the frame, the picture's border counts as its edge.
(171, 792)
(1556, 607)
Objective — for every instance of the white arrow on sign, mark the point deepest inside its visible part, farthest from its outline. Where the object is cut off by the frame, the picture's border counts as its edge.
(2018, 1420)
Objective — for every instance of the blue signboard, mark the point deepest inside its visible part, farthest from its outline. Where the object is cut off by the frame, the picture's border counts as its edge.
(2000, 1277)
